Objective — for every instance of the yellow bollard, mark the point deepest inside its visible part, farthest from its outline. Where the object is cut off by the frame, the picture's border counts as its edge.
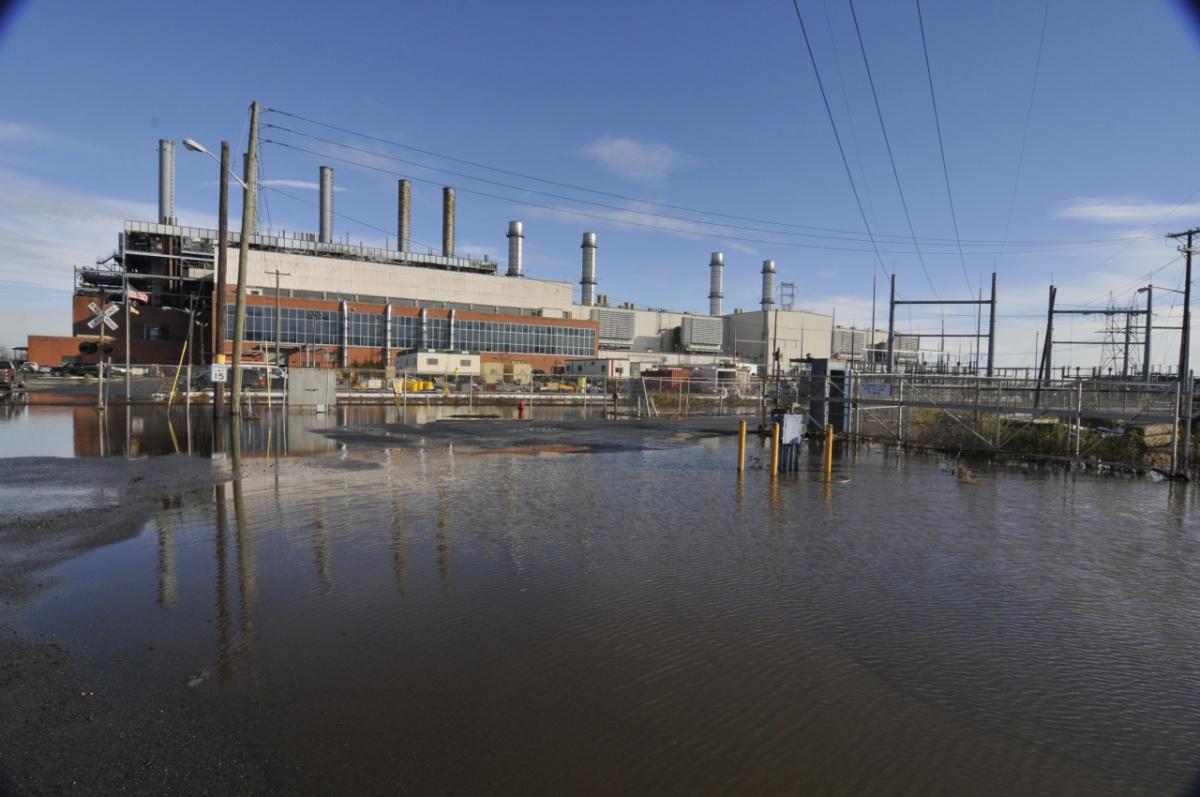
(741, 446)
(774, 450)
(828, 453)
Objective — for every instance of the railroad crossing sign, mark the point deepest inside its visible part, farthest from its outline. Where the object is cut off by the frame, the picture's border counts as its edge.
(103, 316)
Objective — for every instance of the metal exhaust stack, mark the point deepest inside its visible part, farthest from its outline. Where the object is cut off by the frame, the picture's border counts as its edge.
(716, 282)
(166, 181)
(768, 285)
(326, 226)
(587, 296)
(404, 217)
(516, 245)
(448, 222)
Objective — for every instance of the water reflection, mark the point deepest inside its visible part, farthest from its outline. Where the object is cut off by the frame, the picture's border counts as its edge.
(635, 617)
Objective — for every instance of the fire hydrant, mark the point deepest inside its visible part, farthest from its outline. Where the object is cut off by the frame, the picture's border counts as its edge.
(521, 410)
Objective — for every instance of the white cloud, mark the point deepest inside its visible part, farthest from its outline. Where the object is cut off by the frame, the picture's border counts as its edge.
(44, 232)
(631, 159)
(307, 185)
(22, 134)
(1124, 210)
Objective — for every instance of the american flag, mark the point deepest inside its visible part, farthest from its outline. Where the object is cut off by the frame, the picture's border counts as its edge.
(138, 296)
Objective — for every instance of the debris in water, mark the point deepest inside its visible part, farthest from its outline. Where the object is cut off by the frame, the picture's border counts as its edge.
(966, 476)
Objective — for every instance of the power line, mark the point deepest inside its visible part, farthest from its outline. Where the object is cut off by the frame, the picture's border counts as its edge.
(641, 200)
(941, 146)
(836, 137)
(697, 228)
(891, 157)
(1037, 66)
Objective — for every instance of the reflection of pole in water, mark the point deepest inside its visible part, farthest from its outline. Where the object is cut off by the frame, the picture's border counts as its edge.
(443, 530)
(323, 551)
(168, 584)
(247, 569)
(224, 665)
(399, 542)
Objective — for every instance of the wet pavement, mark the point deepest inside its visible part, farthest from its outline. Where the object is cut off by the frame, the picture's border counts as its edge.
(376, 607)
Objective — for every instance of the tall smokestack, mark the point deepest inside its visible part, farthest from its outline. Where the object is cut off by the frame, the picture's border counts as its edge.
(166, 181)
(768, 304)
(448, 222)
(716, 282)
(404, 217)
(768, 285)
(587, 296)
(326, 228)
(516, 243)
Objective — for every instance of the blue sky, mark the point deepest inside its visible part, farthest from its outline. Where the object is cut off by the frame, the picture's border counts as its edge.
(703, 105)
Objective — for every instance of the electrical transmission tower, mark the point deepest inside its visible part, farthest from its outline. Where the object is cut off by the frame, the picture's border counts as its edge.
(787, 295)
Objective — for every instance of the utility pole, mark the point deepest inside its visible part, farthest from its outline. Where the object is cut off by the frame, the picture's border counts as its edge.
(1185, 392)
(991, 360)
(891, 325)
(1125, 358)
(1149, 326)
(219, 312)
(248, 214)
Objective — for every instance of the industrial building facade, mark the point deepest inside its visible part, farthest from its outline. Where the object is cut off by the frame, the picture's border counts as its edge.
(345, 305)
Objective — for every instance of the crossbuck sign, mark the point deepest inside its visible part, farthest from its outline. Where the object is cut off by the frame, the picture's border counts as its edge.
(103, 316)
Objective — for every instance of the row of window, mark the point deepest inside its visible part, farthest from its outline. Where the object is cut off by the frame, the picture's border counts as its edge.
(323, 328)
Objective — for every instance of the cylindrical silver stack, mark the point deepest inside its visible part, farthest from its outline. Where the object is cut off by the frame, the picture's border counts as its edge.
(404, 219)
(516, 246)
(716, 283)
(587, 294)
(768, 285)
(325, 235)
(166, 181)
(448, 222)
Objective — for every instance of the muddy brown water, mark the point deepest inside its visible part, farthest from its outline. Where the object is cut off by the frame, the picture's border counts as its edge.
(365, 619)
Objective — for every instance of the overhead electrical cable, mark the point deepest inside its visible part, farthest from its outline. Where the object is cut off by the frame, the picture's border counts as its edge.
(942, 147)
(841, 150)
(697, 228)
(645, 201)
(1037, 66)
(862, 48)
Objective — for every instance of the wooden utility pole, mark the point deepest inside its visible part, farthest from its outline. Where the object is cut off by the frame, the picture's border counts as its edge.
(219, 313)
(277, 274)
(248, 213)
(1185, 376)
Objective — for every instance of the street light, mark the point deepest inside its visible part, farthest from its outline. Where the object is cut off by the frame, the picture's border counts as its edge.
(196, 146)
(218, 347)
(248, 213)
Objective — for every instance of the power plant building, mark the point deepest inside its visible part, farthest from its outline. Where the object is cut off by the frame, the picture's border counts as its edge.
(345, 305)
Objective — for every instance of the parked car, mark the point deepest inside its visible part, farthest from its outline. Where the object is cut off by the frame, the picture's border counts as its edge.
(29, 367)
(11, 376)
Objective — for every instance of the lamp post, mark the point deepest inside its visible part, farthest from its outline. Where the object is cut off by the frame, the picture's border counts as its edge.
(248, 212)
(218, 349)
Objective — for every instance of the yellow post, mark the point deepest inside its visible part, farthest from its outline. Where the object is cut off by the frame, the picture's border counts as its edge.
(828, 453)
(741, 446)
(774, 450)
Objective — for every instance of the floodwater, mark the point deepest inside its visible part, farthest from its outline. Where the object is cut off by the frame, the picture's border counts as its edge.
(364, 619)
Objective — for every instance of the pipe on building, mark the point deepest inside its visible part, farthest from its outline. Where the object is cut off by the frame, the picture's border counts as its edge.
(450, 332)
(404, 216)
(166, 181)
(387, 339)
(588, 281)
(716, 283)
(447, 222)
(516, 246)
(423, 343)
(345, 308)
(326, 220)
